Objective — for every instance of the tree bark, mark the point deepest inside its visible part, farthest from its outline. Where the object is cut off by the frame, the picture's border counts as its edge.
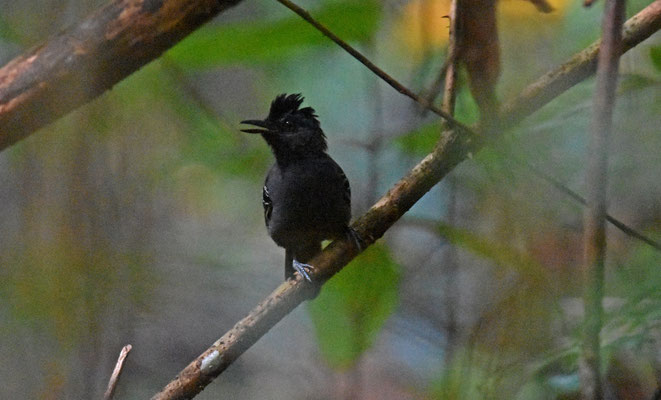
(79, 64)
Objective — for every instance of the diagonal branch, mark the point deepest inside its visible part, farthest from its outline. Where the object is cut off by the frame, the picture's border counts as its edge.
(452, 148)
(72, 68)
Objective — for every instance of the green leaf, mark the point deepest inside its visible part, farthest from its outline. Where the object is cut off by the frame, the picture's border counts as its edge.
(268, 41)
(353, 306)
(655, 54)
(419, 141)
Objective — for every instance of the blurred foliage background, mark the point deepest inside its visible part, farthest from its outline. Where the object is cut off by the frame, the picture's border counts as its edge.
(137, 218)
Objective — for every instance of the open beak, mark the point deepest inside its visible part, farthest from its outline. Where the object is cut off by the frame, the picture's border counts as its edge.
(262, 124)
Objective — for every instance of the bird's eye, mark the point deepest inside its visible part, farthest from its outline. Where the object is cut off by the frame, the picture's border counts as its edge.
(288, 123)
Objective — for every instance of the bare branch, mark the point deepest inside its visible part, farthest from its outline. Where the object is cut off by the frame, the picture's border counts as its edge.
(436, 86)
(594, 235)
(114, 378)
(454, 43)
(453, 147)
(74, 67)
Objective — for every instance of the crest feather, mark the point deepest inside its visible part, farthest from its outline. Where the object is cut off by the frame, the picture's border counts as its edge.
(287, 104)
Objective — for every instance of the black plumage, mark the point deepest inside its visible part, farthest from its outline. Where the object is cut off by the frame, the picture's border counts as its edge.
(306, 195)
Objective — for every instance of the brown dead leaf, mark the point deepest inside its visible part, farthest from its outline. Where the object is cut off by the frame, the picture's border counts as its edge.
(480, 52)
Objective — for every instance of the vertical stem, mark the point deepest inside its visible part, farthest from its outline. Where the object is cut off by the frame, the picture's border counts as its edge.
(595, 213)
(451, 291)
(450, 91)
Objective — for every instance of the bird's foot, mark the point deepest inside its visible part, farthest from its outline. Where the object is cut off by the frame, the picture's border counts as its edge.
(303, 269)
(355, 238)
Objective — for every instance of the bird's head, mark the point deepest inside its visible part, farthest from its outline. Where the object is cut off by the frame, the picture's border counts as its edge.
(290, 129)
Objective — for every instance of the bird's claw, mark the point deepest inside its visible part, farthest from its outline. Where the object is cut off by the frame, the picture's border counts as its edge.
(355, 238)
(303, 269)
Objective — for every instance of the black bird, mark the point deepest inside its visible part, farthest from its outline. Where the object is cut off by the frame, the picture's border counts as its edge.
(306, 196)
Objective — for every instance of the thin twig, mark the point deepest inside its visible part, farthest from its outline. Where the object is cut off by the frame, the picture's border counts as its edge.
(114, 378)
(435, 88)
(454, 45)
(580, 199)
(378, 71)
(594, 235)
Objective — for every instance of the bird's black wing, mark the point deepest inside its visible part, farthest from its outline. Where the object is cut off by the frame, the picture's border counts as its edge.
(267, 203)
(346, 195)
(347, 189)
